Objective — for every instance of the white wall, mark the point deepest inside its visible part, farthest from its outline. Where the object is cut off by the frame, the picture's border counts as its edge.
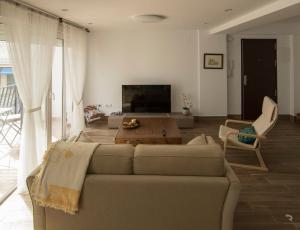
(213, 83)
(287, 34)
(146, 57)
(297, 72)
(156, 57)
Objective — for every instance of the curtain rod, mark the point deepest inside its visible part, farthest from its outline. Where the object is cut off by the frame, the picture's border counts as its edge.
(47, 13)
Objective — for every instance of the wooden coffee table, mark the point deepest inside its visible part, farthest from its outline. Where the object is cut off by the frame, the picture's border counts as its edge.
(152, 130)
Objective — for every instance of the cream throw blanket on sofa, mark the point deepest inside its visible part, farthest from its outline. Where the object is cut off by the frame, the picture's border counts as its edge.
(58, 184)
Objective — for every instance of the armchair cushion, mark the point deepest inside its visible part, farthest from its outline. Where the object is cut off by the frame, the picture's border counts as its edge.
(268, 117)
(233, 139)
(246, 139)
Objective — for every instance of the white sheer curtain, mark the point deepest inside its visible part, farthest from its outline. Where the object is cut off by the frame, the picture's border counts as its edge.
(31, 38)
(75, 57)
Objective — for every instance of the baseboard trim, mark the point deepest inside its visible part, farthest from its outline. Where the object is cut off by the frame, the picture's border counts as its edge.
(285, 117)
(235, 116)
(230, 116)
(209, 118)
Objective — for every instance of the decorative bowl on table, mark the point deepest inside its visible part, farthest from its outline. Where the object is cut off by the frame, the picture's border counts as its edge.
(132, 124)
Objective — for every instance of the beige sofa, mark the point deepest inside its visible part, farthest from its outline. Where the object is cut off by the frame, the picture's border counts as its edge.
(151, 187)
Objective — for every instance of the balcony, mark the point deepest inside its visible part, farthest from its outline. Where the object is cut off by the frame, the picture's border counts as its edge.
(10, 123)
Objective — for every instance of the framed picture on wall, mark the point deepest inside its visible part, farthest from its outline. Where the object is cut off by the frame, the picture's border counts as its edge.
(213, 61)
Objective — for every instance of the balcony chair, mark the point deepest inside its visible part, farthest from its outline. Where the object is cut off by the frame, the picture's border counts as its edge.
(262, 126)
(13, 120)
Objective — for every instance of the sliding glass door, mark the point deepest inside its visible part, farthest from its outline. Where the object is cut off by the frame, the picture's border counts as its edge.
(56, 94)
(59, 106)
(10, 129)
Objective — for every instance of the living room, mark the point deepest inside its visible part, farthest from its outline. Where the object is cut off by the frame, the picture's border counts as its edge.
(159, 100)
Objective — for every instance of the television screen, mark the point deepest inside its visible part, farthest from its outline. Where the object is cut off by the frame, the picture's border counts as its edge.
(146, 98)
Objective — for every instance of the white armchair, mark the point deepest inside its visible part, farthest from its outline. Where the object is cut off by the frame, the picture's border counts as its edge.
(262, 126)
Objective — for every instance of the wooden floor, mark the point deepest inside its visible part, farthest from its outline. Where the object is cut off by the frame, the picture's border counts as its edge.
(266, 198)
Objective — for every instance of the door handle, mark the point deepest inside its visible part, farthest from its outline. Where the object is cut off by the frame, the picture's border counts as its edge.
(245, 81)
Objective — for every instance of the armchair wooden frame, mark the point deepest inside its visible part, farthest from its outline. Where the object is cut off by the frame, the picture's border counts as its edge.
(263, 166)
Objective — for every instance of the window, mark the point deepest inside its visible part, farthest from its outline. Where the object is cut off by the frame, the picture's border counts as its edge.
(56, 94)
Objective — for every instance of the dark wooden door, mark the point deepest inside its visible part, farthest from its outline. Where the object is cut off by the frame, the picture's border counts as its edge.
(259, 75)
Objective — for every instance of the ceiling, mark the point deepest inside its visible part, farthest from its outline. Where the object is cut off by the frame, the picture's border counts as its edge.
(182, 14)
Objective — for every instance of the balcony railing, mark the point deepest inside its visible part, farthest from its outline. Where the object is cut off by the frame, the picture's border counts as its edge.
(9, 97)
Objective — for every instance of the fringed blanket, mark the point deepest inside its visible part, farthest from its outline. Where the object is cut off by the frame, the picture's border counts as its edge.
(58, 184)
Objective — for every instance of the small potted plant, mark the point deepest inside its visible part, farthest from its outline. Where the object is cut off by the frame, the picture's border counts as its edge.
(187, 105)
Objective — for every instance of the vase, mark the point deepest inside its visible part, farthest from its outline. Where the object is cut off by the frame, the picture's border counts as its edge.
(185, 112)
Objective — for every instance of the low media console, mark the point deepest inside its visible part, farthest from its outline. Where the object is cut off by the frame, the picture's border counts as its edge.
(183, 121)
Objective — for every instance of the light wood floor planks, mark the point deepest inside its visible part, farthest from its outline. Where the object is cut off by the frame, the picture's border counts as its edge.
(265, 199)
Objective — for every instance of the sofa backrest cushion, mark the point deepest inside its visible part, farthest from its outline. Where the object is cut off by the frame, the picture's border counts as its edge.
(112, 159)
(179, 160)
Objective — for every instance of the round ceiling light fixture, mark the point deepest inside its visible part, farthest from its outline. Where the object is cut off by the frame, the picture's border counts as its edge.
(149, 18)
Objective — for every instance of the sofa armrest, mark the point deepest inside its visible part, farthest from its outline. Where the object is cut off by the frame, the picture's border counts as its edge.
(231, 198)
(39, 217)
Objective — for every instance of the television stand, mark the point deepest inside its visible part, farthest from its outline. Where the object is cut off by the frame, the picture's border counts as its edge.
(183, 121)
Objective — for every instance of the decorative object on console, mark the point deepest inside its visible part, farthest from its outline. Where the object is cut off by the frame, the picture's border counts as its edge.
(213, 61)
(187, 105)
(93, 113)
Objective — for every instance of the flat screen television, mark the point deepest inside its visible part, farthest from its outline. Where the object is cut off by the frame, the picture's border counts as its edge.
(146, 98)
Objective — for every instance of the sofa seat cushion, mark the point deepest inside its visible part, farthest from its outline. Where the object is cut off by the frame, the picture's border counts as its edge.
(112, 160)
(179, 160)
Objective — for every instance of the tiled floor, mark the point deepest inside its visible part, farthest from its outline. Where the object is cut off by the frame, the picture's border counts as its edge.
(8, 165)
(16, 213)
(8, 181)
